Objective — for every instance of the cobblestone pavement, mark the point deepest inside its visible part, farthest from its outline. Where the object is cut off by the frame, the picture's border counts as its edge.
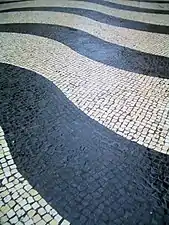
(84, 112)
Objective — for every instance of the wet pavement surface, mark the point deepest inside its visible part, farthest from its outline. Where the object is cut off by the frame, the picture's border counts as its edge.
(77, 146)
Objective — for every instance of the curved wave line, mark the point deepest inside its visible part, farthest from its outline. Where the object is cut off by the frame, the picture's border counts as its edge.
(96, 49)
(64, 66)
(126, 7)
(54, 143)
(139, 4)
(150, 1)
(134, 16)
(7, 2)
(18, 178)
(100, 17)
(157, 44)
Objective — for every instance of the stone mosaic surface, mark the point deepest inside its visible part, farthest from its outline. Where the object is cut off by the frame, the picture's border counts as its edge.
(85, 171)
(84, 141)
(20, 203)
(132, 16)
(133, 105)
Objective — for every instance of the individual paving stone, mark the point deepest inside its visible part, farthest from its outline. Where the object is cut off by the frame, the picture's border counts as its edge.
(6, 149)
(21, 191)
(41, 222)
(58, 218)
(53, 212)
(10, 162)
(27, 187)
(29, 222)
(14, 220)
(2, 176)
(16, 182)
(10, 213)
(48, 208)
(4, 193)
(3, 143)
(19, 223)
(13, 190)
(31, 213)
(17, 175)
(42, 202)
(65, 222)
(21, 179)
(41, 211)
(36, 218)
(9, 157)
(24, 219)
(37, 197)
(30, 199)
(3, 219)
(47, 217)
(27, 207)
(15, 195)
(19, 186)
(7, 223)
(7, 198)
(11, 203)
(9, 185)
(5, 209)
(1, 214)
(4, 182)
(13, 166)
(54, 222)
(17, 207)
(14, 171)
(2, 160)
(11, 179)
(33, 192)
(22, 203)
(1, 203)
(6, 153)
(25, 195)
(35, 205)
(20, 212)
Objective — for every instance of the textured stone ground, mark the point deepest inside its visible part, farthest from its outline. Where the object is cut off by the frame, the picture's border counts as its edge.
(84, 112)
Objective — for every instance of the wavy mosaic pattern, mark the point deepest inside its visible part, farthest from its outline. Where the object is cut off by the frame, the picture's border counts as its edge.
(126, 15)
(121, 36)
(84, 112)
(21, 203)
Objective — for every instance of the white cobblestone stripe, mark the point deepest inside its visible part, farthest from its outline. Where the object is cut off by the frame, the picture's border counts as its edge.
(125, 7)
(142, 41)
(20, 203)
(147, 5)
(133, 105)
(131, 15)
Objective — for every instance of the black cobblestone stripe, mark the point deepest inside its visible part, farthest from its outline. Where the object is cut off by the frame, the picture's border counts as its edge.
(150, 1)
(100, 17)
(126, 7)
(88, 173)
(97, 49)
(5, 2)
